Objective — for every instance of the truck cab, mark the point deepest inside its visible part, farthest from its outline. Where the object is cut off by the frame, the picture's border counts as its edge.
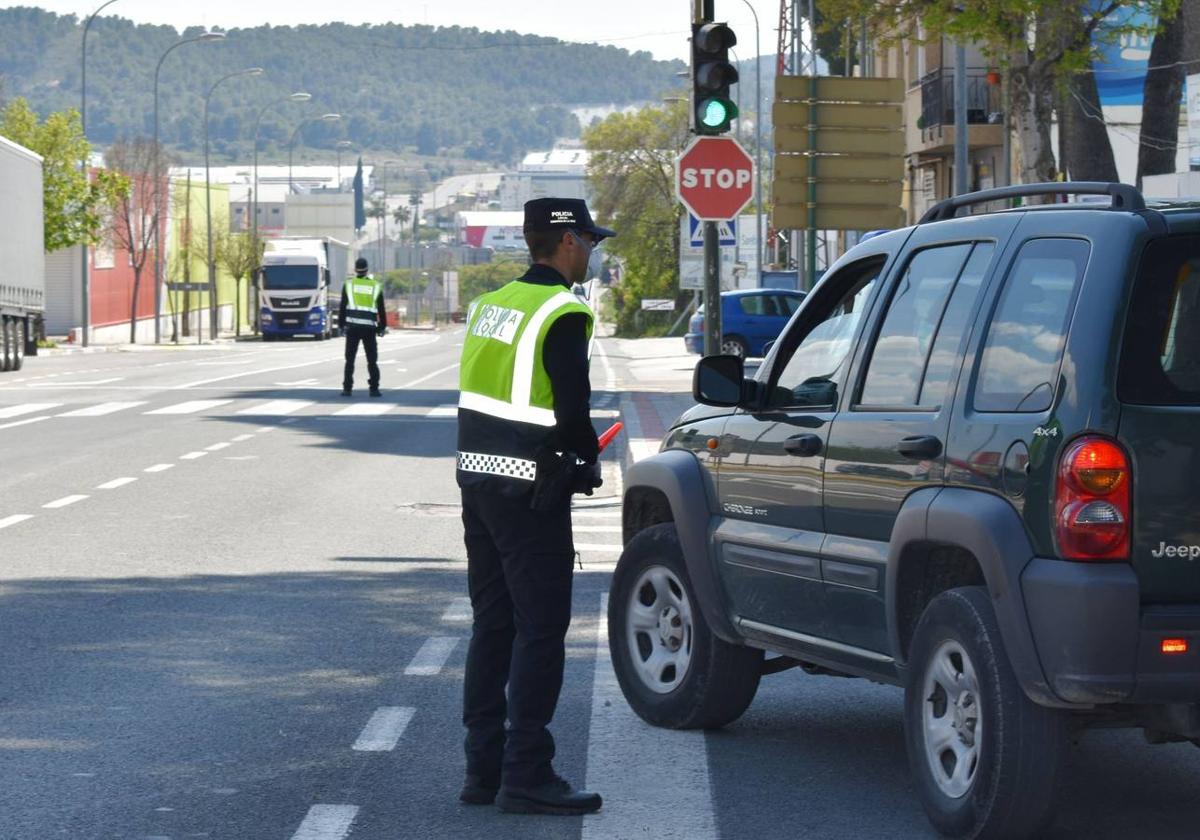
(300, 282)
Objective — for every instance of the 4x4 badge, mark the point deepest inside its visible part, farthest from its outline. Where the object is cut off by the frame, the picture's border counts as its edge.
(1045, 431)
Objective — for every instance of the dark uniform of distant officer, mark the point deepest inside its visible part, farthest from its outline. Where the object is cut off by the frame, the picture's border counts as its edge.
(525, 443)
(363, 319)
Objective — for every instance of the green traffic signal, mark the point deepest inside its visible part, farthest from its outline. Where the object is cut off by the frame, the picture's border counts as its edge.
(712, 76)
(716, 114)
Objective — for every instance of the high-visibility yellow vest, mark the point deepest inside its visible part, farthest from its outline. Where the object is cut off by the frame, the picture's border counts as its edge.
(362, 304)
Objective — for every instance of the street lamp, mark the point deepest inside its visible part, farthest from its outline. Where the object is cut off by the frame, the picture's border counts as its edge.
(206, 37)
(298, 96)
(329, 118)
(87, 297)
(383, 243)
(341, 144)
(212, 268)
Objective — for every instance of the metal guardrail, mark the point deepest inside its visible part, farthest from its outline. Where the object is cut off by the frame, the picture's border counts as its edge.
(937, 98)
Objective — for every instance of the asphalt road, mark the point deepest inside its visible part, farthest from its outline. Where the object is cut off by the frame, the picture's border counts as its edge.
(232, 607)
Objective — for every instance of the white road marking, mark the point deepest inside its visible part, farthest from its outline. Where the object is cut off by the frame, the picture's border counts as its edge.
(444, 411)
(276, 408)
(597, 514)
(266, 429)
(364, 410)
(597, 529)
(25, 422)
(191, 407)
(200, 382)
(217, 447)
(241, 438)
(101, 409)
(459, 610)
(90, 382)
(63, 502)
(433, 375)
(618, 742)
(226, 363)
(115, 483)
(432, 656)
(158, 468)
(27, 408)
(192, 456)
(299, 382)
(327, 822)
(13, 520)
(383, 730)
(598, 547)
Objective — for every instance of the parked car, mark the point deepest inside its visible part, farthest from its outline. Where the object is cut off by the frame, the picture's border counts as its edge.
(749, 319)
(968, 468)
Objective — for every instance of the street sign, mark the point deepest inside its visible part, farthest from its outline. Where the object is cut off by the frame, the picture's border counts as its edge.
(714, 178)
(840, 161)
(187, 287)
(733, 254)
(726, 232)
(658, 304)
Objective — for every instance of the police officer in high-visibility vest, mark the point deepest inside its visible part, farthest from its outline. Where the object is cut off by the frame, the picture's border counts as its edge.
(363, 319)
(525, 443)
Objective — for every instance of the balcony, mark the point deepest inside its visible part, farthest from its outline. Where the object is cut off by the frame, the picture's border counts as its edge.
(932, 101)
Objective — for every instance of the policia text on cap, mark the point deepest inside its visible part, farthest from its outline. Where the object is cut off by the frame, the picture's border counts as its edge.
(525, 443)
(363, 318)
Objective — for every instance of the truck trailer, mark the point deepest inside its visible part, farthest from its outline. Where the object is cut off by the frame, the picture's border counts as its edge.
(300, 287)
(23, 262)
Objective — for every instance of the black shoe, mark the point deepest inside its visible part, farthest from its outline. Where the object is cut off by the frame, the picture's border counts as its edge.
(553, 797)
(478, 791)
(346, 392)
(375, 392)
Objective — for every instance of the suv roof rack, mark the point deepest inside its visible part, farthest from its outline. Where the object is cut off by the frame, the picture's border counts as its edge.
(1124, 196)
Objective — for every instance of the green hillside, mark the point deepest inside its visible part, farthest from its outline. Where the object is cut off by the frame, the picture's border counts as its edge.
(483, 95)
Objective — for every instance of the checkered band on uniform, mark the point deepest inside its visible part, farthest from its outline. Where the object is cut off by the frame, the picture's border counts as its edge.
(500, 465)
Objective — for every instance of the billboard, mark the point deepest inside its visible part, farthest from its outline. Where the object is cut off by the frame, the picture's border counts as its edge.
(1122, 61)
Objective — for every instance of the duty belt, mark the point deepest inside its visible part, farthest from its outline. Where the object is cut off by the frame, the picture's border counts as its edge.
(501, 465)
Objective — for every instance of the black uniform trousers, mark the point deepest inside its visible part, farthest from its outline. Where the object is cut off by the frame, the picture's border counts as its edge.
(365, 335)
(519, 566)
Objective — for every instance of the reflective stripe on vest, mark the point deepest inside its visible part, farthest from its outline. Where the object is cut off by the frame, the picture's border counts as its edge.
(363, 302)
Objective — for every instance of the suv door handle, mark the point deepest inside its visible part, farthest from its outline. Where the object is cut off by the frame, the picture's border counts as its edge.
(920, 446)
(804, 446)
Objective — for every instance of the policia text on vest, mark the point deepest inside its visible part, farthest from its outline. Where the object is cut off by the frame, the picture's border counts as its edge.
(524, 427)
(363, 318)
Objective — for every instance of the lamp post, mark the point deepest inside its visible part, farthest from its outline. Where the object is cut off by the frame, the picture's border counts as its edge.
(329, 118)
(212, 268)
(87, 297)
(206, 37)
(341, 144)
(383, 244)
(760, 235)
(298, 96)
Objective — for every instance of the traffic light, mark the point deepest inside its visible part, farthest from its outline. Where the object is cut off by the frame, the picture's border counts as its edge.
(712, 75)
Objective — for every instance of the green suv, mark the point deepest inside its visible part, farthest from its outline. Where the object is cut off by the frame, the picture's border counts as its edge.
(970, 467)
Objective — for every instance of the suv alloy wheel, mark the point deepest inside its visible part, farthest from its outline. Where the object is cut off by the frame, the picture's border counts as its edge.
(984, 756)
(672, 669)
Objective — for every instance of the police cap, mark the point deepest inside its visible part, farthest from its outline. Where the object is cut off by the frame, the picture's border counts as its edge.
(550, 214)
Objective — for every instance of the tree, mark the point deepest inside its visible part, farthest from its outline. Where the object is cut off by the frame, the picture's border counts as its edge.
(73, 204)
(400, 216)
(135, 218)
(240, 254)
(1040, 43)
(1160, 100)
(632, 174)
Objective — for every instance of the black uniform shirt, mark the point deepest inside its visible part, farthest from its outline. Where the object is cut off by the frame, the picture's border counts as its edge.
(565, 357)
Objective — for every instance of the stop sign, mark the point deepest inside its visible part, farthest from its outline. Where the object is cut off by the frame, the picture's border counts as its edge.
(714, 178)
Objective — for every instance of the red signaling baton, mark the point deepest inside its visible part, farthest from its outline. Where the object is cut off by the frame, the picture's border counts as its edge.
(610, 433)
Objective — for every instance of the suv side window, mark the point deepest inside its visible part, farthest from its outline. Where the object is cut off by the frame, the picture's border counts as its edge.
(1023, 350)
(906, 337)
(817, 365)
(939, 368)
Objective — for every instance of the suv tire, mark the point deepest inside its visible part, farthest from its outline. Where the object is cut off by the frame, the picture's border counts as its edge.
(699, 680)
(960, 683)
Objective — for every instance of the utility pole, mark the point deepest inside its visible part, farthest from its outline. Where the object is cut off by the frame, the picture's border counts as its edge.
(962, 183)
(704, 11)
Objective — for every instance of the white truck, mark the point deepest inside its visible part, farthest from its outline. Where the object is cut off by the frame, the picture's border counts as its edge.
(300, 287)
(22, 254)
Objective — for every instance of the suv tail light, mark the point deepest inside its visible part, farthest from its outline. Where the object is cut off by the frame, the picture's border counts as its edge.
(1092, 501)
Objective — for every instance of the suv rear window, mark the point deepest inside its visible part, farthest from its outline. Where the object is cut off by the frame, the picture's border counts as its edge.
(1027, 335)
(1160, 362)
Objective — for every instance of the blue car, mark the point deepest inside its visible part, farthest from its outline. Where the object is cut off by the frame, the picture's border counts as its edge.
(749, 319)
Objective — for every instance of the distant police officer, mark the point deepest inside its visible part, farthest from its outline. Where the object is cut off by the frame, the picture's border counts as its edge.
(363, 319)
(525, 442)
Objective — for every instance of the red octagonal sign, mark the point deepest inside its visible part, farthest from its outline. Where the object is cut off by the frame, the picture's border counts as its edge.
(714, 178)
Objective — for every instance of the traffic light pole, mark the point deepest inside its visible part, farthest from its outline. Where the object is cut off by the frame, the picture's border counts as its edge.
(712, 290)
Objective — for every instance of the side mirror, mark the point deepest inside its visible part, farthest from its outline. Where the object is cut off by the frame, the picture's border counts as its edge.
(718, 381)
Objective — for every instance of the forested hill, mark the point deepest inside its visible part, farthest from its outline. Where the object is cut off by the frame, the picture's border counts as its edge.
(488, 95)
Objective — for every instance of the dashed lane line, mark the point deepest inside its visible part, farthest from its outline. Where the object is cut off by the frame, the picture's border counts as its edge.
(63, 502)
(192, 456)
(327, 822)
(459, 610)
(115, 483)
(157, 468)
(384, 729)
(241, 438)
(11, 411)
(217, 447)
(25, 422)
(432, 656)
(14, 519)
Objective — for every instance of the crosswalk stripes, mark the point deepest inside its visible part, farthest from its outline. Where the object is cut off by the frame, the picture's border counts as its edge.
(374, 409)
(190, 407)
(444, 412)
(276, 408)
(101, 410)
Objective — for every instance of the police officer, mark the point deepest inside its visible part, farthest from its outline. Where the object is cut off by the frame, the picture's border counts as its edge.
(523, 424)
(363, 319)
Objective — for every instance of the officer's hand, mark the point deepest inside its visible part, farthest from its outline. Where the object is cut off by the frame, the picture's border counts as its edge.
(587, 479)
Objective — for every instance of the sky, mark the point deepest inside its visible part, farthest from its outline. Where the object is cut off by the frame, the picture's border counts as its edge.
(660, 27)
